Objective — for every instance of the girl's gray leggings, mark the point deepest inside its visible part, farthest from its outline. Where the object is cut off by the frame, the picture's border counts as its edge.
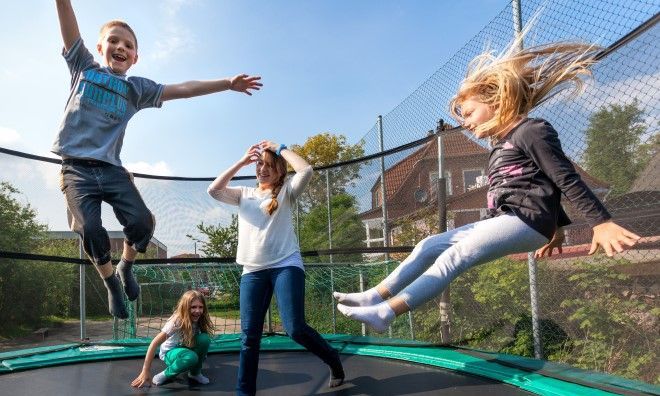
(438, 259)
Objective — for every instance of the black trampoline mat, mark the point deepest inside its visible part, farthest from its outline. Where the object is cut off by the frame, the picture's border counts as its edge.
(280, 373)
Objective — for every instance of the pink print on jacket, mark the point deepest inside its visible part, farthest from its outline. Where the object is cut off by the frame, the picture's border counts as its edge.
(490, 197)
(508, 146)
(511, 170)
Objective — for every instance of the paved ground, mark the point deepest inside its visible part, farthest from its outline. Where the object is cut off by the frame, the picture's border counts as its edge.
(69, 332)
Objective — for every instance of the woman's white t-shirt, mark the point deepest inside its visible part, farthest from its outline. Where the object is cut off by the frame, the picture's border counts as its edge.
(266, 241)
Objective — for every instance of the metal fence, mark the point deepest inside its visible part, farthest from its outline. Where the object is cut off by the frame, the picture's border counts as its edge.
(419, 176)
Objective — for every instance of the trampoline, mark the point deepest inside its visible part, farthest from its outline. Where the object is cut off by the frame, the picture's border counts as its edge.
(280, 373)
(373, 367)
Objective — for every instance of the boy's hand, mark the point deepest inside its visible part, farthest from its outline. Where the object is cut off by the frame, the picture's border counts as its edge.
(144, 379)
(611, 236)
(244, 83)
(556, 242)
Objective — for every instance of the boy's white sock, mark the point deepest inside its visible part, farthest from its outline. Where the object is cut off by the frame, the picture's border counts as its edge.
(364, 299)
(377, 317)
(199, 378)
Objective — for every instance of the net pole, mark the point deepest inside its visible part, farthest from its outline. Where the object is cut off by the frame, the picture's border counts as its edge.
(83, 314)
(441, 186)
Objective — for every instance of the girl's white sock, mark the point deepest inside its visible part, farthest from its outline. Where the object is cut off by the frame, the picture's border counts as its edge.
(160, 378)
(377, 317)
(366, 298)
(199, 378)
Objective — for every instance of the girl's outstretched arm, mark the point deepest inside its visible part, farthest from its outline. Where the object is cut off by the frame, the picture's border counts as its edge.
(144, 379)
(545, 150)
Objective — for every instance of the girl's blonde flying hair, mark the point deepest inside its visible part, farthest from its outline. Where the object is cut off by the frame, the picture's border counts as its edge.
(185, 323)
(519, 80)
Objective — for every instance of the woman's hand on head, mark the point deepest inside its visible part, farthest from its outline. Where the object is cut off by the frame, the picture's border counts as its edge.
(611, 236)
(251, 155)
(269, 145)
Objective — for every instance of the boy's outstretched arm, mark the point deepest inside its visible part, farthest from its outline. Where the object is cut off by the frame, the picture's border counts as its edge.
(68, 23)
(240, 83)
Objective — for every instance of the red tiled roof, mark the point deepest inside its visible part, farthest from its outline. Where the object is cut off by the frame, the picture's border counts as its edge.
(455, 145)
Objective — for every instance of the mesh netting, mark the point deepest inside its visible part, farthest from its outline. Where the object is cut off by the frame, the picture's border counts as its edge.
(594, 312)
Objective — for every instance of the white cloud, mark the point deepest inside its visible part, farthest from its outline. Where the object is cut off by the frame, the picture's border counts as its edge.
(598, 94)
(176, 37)
(8, 75)
(217, 215)
(159, 168)
(172, 7)
(8, 136)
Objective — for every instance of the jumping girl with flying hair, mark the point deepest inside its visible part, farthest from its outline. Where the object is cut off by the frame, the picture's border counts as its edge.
(527, 173)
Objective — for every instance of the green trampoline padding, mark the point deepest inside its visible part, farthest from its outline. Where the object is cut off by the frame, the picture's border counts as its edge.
(536, 376)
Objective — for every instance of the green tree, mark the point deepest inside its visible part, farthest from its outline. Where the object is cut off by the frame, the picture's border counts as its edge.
(63, 279)
(221, 241)
(347, 229)
(614, 152)
(617, 327)
(326, 149)
(23, 286)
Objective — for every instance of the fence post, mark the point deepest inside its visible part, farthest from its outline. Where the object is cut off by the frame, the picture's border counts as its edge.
(332, 283)
(82, 304)
(383, 199)
(364, 327)
(383, 189)
(517, 22)
(533, 295)
(332, 301)
(387, 272)
(269, 317)
(441, 186)
(531, 262)
(327, 204)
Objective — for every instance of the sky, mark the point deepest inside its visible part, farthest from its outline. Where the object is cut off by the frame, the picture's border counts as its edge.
(326, 66)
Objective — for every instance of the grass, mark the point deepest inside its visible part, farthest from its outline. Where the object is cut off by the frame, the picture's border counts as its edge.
(8, 331)
(225, 305)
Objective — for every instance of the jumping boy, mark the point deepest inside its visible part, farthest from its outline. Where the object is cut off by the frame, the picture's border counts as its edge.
(101, 101)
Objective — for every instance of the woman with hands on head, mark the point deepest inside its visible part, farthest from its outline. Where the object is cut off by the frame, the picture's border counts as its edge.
(269, 252)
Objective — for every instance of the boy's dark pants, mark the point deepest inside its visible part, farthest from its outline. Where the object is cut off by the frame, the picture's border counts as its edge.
(87, 183)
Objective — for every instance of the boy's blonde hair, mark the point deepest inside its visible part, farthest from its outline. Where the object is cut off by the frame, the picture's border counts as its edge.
(519, 80)
(182, 315)
(117, 22)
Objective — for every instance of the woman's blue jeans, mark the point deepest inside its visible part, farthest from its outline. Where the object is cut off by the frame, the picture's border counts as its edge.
(257, 289)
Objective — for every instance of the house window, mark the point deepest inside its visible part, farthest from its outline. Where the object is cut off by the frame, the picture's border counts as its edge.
(376, 198)
(471, 178)
(433, 178)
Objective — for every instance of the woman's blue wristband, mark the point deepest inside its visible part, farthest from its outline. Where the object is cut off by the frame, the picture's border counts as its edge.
(279, 149)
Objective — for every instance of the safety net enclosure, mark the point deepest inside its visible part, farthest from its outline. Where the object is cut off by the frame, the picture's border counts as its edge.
(570, 324)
